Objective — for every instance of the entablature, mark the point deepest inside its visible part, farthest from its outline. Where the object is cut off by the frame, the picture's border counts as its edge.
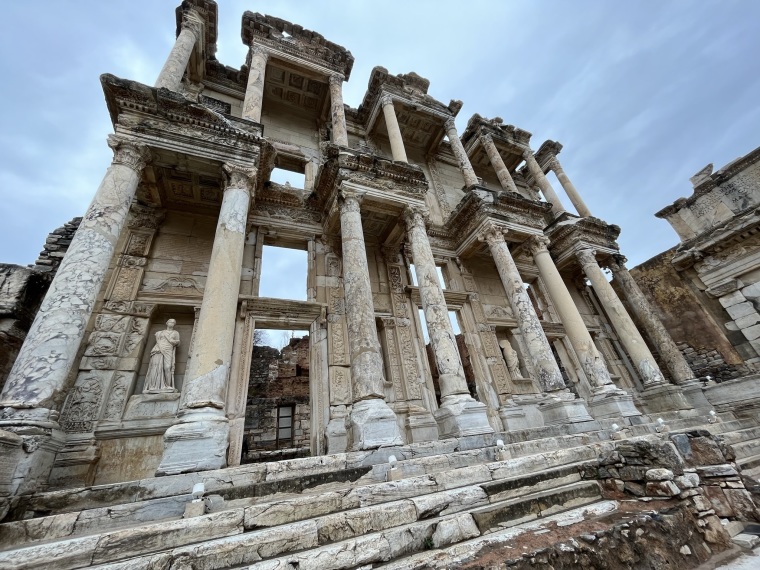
(510, 142)
(570, 234)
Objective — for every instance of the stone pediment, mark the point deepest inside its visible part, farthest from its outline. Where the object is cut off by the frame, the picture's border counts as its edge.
(519, 214)
(164, 119)
(370, 171)
(292, 39)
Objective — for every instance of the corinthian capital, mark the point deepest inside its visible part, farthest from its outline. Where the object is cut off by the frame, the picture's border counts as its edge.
(616, 262)
(350, 201)
(386, 100)
(192, 21)
(537, 244)
(415, 217)
(336, 79)
(586, 257)
(450, 125)
(486, 140)
(239, 176)
(554, 164)
(129, 153)
(492, 233)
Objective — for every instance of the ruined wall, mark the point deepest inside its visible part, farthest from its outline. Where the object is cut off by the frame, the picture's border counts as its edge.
(703, 342)
(278, 378)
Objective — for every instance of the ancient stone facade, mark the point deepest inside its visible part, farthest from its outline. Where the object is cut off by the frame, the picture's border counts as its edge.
(706, 289)
(407, 224)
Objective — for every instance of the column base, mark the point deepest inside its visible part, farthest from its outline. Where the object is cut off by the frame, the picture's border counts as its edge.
(421, 425)
(461, 415)
(693, 391)
(562, 408)
(610, 402)
(198, 443)
(664, 398)
(522, 412)
(372, 424)
(29, 443)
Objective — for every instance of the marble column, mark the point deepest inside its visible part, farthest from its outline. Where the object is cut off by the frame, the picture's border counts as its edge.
(679, 369)
(543, 183)
(459, 414)
(372, 423)
(562, 407)
(176, 64)
(34, 390)
(458, 149)
(540, 353)
(580, 339)
(505, 178)
(626, 330)
(394, 131)
(339, 133)
(254, 89)
(607, 400)
(569, 188)
(199, 441)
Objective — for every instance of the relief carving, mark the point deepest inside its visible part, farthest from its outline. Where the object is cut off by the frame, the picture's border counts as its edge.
(82, 406)
(116, 400)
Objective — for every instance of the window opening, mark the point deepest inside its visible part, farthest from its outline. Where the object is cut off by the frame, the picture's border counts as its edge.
(283, 273)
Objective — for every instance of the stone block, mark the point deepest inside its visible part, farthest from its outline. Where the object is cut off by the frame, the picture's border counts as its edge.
(659, 475)
(724, 470)
(662, 489)
(740, 310)
(742, 504)
(194, 509)
(687, 481)
(451, 531)
(751, 333)
(747, 321)
(732, 299)
(748, 541)
(718, 501)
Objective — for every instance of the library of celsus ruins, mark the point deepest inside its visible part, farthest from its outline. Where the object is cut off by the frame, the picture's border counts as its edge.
(466, 368)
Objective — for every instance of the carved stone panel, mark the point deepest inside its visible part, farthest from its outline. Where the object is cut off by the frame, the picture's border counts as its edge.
(82, 406)
(338, 343)
(340, 385)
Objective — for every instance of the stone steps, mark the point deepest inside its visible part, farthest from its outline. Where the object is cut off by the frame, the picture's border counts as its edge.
(356, 538)
(441, 492)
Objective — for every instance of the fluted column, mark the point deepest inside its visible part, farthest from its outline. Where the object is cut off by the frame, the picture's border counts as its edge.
(35, 386)
(569, 188)
(593, 365)
(254, 89)
(543, 183)
(458, 149)
(175, 65)
(339, 133)
(459, 413)
(394, 131)
(674, 360)
(200, 440)
(502, 173)
(626, 330)
(372, 422)
(540, 352)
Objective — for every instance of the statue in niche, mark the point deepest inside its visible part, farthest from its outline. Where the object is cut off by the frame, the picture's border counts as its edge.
(160, 377)
(511, 358)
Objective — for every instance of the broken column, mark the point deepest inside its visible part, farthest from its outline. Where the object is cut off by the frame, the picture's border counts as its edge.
(458, 149)
(563, 406)
(175, 65)
(459, 414)
(254, 89)
(543, 183)
(339, 133)
(372, 422)
(502, 173)
(394, 131)
(607, 401)
(34, 391)
(199, 441)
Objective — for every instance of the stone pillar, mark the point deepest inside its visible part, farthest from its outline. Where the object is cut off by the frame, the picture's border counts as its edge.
(543, 183)
(562, 407)
(549, 376)
(464, 162)
(175, 65)
(339, 134)
(505, 178)
(679, 369)
(607, 400)
(459, 414)
(394, 131)
(254, 89)
(35, 386)
(372, 422)
(626, 330)
(569, 188)
(199, 441)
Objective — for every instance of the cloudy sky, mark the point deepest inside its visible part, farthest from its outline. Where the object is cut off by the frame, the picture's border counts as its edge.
(641, 94)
